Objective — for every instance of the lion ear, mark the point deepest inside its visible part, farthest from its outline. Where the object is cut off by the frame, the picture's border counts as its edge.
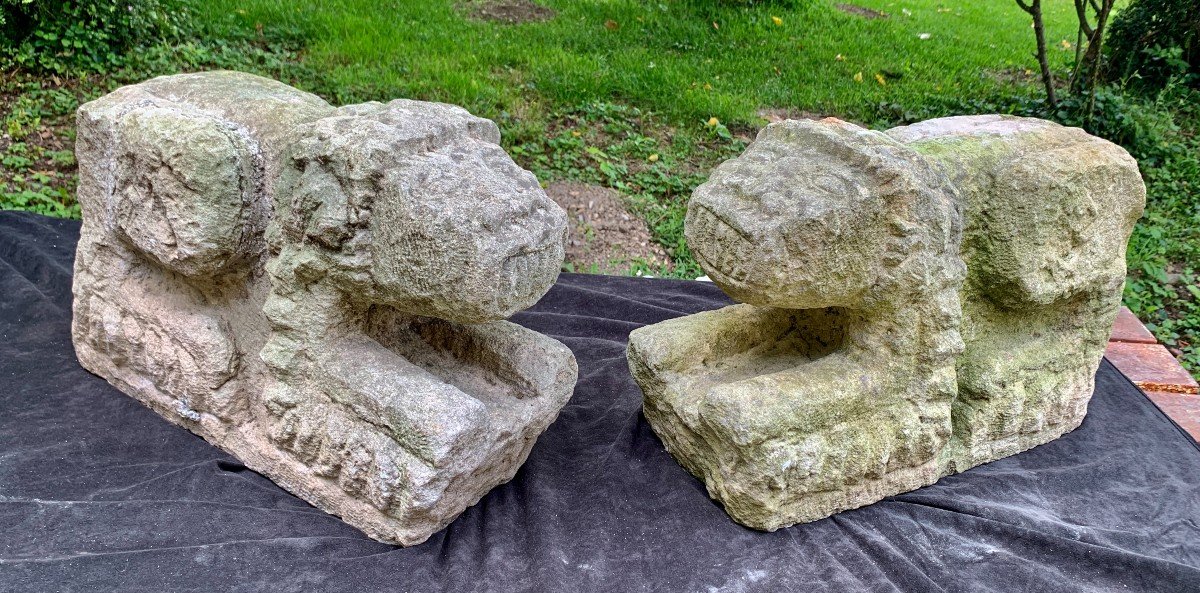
(182, 188)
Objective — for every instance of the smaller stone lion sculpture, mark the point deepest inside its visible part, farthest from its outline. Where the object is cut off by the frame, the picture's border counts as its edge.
(321, 291)
(918, 302)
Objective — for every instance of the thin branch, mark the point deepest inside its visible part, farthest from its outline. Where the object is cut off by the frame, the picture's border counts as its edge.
(1081, 13)
(1034, 8)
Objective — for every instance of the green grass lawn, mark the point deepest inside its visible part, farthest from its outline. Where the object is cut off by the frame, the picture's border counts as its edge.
(593, 92)
(688, 60)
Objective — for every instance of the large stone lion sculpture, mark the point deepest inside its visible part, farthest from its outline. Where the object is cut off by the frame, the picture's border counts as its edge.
(320, 291)
(917, 302)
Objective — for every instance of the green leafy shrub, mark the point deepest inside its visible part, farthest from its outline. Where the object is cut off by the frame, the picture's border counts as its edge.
(1152, 42)
(72, 36)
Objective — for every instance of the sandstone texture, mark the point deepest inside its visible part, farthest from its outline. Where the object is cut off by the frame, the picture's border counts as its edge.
(916, 302)
(321, 291)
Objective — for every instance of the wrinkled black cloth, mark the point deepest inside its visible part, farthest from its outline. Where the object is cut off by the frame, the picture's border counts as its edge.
(97, 493)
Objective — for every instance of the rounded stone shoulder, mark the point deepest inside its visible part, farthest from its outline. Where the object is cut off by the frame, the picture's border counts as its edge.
(971, 125)
(233, 91)
(267, 109)
(1049, 207)
(999, 135)
(183, 185)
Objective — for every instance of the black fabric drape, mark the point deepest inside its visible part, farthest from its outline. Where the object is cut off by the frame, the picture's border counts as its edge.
(97, 493)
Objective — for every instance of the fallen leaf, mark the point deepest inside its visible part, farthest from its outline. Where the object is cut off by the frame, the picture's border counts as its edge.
(839, 58)
(611, 25)
(715, 25)
(778, 21)
(879, 78)
(653, 158)
(858, 77)
(1066, 44)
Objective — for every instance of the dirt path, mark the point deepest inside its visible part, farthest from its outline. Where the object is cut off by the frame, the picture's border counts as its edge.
(604, 237)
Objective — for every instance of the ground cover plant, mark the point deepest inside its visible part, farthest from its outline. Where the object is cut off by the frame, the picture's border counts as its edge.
(641, 97)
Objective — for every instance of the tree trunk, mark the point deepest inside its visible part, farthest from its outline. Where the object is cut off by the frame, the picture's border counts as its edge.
(1034, 8)
(1092, 57)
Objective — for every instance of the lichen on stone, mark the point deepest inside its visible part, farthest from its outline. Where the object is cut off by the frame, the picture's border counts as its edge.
(321, 291)
(917, 302)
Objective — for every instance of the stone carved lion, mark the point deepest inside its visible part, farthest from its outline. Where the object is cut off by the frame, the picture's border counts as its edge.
(408, 235)
(836, 377)
(321, 291)
(917, 302)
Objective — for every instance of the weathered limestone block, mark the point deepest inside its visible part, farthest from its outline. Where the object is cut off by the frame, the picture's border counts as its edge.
(918, 302)
(321, 291)
(1049, 213)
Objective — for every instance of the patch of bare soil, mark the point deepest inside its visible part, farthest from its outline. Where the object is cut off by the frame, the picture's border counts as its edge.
(778, 114)
(1024, 76)
(862, 11)
(511, 12)
(604, 237)
(1014, 75)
